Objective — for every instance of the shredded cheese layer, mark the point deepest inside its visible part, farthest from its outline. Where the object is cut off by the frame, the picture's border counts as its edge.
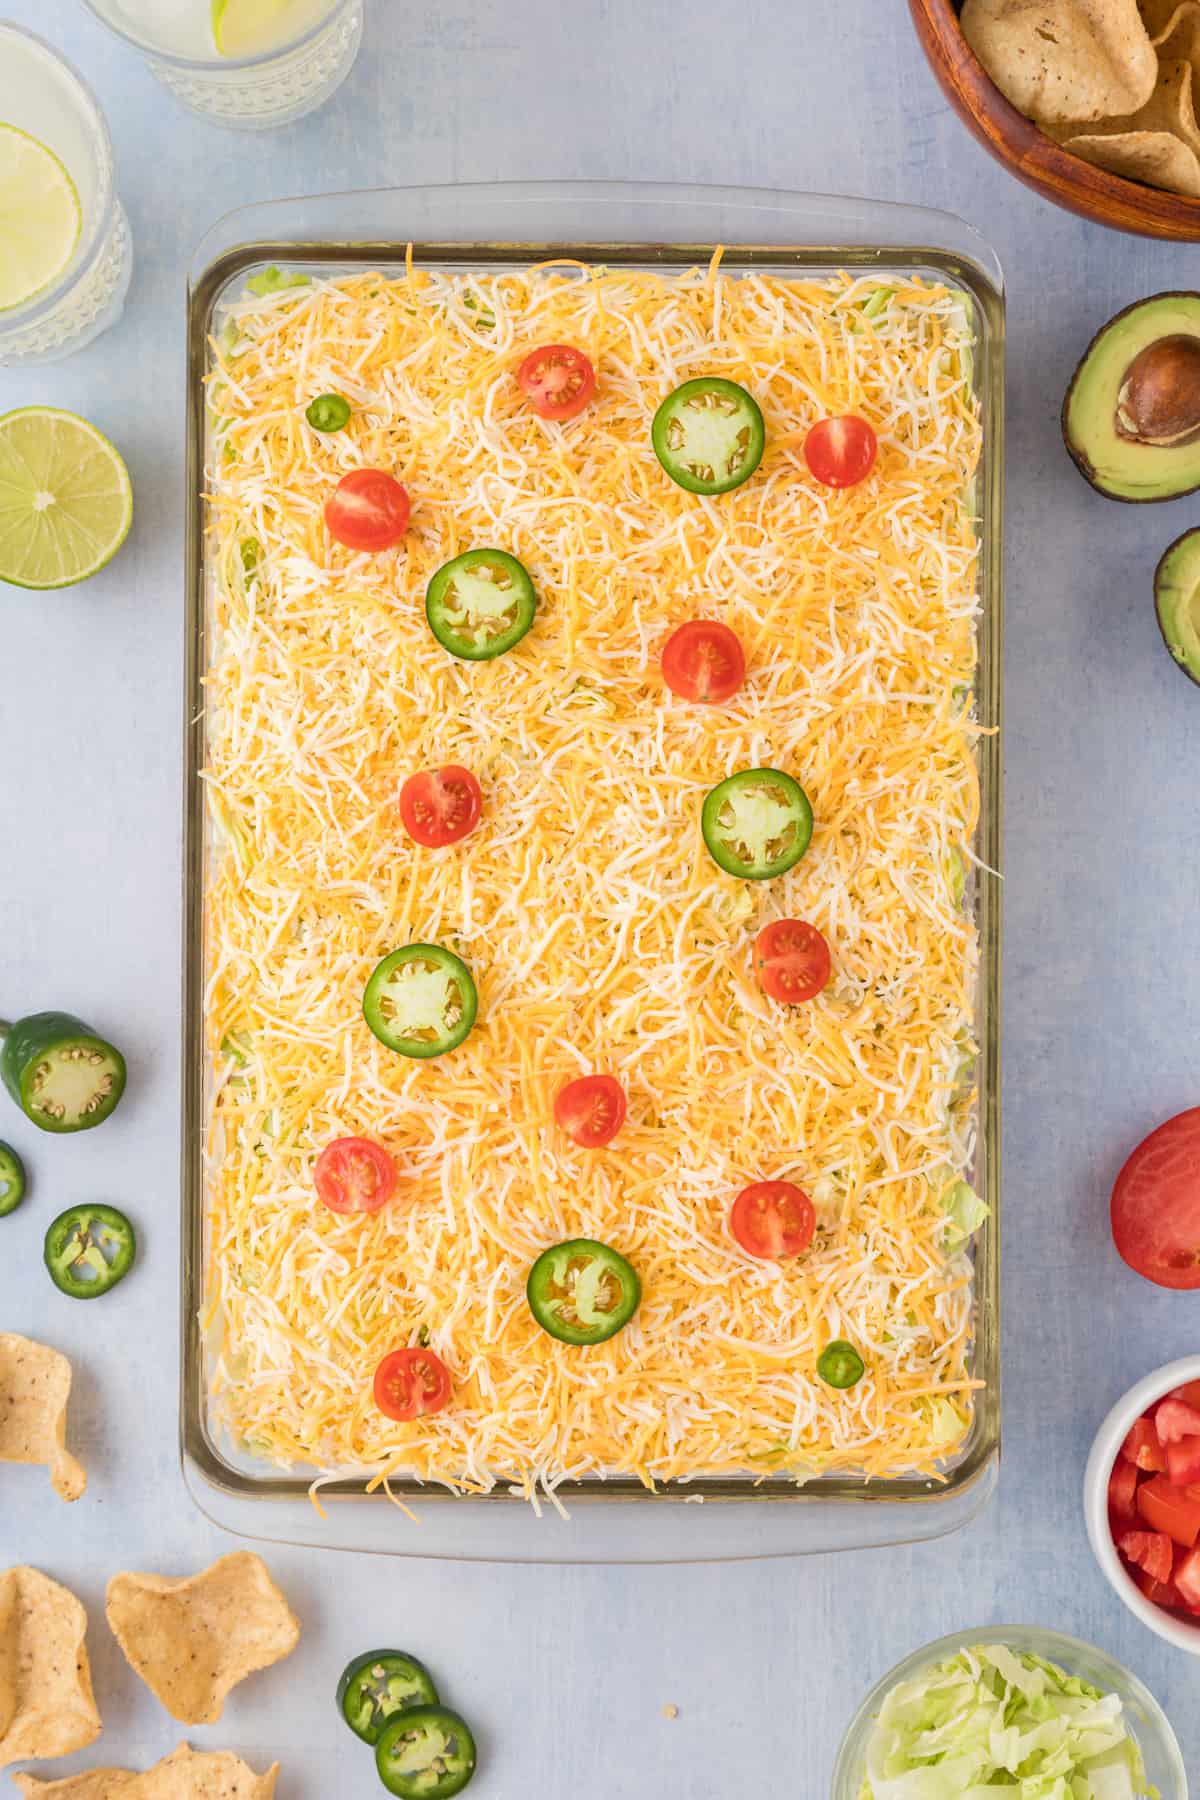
(600, 933)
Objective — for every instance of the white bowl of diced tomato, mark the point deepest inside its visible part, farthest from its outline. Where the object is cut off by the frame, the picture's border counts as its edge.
(1141, 1497)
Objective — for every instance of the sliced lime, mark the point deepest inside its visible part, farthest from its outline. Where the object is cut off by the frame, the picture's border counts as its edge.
(40, 217)
(66, 501)
(246, 27)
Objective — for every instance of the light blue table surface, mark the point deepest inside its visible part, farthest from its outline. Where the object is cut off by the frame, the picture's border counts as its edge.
(567, 1671)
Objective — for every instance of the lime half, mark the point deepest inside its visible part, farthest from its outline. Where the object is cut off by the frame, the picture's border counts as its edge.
(40, 217)
(66, 502)
(246, 27)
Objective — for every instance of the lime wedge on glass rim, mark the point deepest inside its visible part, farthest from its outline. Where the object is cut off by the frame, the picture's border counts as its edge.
(40, 217)
(66, 502)
(246, 27)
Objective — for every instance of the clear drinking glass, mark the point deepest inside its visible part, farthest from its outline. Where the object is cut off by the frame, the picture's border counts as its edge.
(318, 43)
(42, 95)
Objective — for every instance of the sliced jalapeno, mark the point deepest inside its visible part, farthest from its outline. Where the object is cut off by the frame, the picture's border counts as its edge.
(375, 1687)
(421, 1001)
(582, 1292)
(757, 824)
(61, 1075)
(426, 1754)
(328, 412)
(709, 435)
(480, 604)
(12, 1180)
(88, 1250)
(839, 1365)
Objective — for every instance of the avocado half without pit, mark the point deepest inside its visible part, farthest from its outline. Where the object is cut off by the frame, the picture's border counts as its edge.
(1177, 601)
(1131, 418)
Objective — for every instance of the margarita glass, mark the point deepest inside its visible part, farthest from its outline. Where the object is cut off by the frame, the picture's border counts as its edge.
(253, 64)
(67, 277)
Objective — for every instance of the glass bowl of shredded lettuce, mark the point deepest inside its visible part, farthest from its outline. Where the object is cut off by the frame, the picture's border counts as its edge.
(1010, 1710)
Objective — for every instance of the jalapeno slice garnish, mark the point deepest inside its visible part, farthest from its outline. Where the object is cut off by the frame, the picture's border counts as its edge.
(12, 1180)
(421, 1001)
(582, 1292)
(839, 1365)
(480, 605)
(328, 412)
(709, 435)
(377, 1686)
(757, 824)
(88, 1250)
(426, 1754)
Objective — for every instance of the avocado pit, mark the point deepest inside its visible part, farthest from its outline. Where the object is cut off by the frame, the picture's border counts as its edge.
(1159, 399)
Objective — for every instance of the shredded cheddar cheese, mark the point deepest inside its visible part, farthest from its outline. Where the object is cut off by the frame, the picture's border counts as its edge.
(601, 935)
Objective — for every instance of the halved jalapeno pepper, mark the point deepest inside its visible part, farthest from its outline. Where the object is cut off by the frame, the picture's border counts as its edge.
(582, 1292)
(61, 1075)
(757, 824)
(480, 605)
(426, 1754)
(12, 1180)
(709, 435)
(375, 1687)
(421, 1001)
(88, 1250)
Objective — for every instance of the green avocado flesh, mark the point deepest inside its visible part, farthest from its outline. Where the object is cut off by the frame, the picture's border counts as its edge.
(1177, 602)
(1101, 412)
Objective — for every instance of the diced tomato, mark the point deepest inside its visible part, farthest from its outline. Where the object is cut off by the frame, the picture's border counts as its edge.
(1122, 1493)
(1187, 1580)
(1183, 1462)
(1148, 1550)
(1143, 1448)
(1175, 1420)
(1189, 1393)
(1159, 1593)
(1169, 1509)
(410, 1383)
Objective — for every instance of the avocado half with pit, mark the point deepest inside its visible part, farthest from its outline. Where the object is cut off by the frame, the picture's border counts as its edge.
(1131, 418)
(1177, 601)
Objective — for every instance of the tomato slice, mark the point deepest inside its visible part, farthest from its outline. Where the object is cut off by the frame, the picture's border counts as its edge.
(557, 380)
(1143, 1448)
(703, 660)
(792, 961)
(1167, 1508)
(368, 510)
(590, 1110)
(1183, 1462)
(773, 1219)
(1175, 1420)
(841, 452)
(1156, 1204)
(1187, 1580)
(354, 1175)
(1148, 1550)
(411, 1383)
(440, 806)
(1122, 1493)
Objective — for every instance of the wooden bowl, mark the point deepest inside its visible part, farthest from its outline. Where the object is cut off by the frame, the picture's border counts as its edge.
(1031, 156)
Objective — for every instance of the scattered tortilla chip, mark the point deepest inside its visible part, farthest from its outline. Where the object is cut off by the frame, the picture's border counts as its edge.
(1157, 158)
(1063, 60)
(46, 1703)
(193, 1639)
(184, 1775)
(34, 1384)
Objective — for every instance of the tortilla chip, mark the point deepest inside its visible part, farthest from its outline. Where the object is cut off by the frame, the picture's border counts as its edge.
(193, 1639)
(46, 1703)
(184, 1775)
(1174, 27)
(1169, 108)
(1062, 60)
(1157, 158)
(34, 1385)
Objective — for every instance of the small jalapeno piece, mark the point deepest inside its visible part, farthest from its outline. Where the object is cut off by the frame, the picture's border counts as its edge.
(709, 435)
(480, 604)
(427, 1753)
(328, 412)
(840, 1366)
(757, 824)
(582, 1292)
(88, 1250)
(421, 1001)
(12, 1180)
(377, 1686)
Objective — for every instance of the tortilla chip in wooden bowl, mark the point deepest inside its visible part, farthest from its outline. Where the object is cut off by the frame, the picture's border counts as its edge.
(35, 1382)
(1063, 61)
(46, 1703)
(1154, 157)
(184, 1775)
(1174, 27)
(194, 1638)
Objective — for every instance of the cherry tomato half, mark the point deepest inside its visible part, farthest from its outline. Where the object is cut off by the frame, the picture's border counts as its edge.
(440, 806)
(703, 660)
(1156, 1204)
(841, 452)
(557, 380)
(590, 1110)
(410, 1383)
(773, 1219)
(368, 510)
(354, 1175)
(791, 960)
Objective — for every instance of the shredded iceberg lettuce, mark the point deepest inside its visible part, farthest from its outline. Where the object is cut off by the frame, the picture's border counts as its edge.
(991, 1722)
